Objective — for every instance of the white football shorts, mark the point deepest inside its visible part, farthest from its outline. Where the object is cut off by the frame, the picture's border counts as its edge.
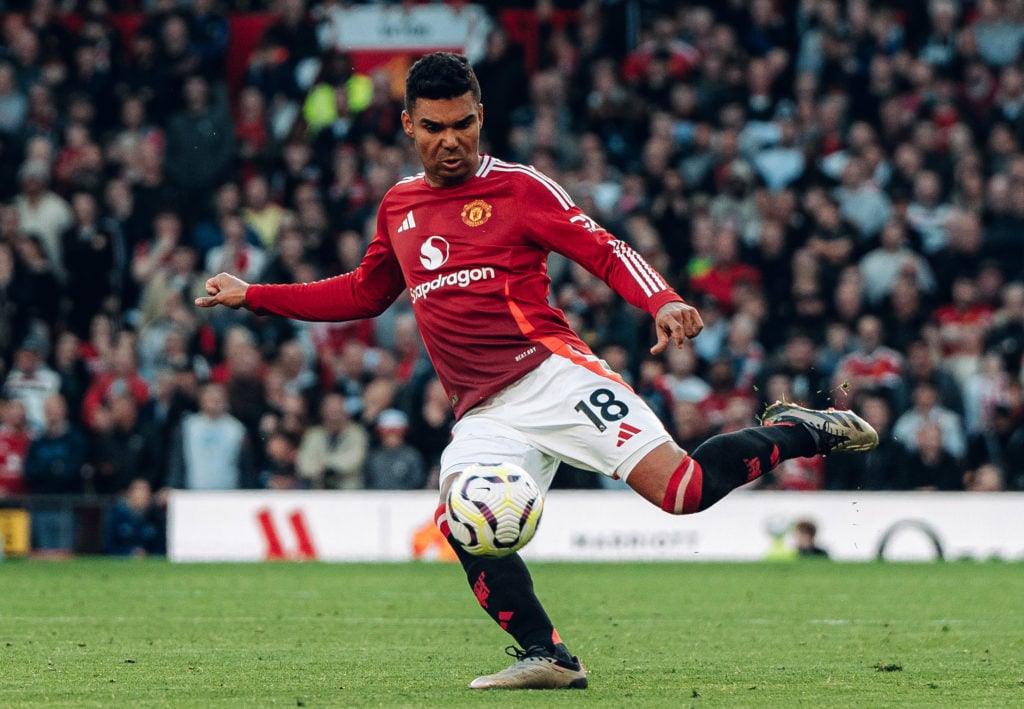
(577, 411)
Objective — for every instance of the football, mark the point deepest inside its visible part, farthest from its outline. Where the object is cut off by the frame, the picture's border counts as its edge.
(493, 510)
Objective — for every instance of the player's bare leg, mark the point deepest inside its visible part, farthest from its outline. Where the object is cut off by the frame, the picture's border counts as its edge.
(682, 483)
(504, 589)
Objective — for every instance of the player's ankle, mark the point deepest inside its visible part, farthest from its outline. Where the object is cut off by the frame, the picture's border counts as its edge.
(561, 653)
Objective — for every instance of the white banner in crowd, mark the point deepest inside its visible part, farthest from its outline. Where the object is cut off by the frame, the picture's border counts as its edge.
(599, 526)
(381, 28)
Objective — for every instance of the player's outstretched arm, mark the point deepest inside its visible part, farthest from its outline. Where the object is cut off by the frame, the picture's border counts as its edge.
(675, 323)
(224, 289)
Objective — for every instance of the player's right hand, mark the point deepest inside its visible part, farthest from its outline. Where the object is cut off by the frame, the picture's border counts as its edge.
(224, 289)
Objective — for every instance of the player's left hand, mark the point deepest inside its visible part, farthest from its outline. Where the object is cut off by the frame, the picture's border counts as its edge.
(676, 322)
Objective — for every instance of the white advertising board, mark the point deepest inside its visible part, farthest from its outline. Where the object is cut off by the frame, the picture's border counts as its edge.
(600, 526)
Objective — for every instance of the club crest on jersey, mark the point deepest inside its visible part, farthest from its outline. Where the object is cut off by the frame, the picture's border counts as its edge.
(434, 252)
(476, 213)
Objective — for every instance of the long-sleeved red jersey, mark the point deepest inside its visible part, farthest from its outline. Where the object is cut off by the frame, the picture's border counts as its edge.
(474, 258)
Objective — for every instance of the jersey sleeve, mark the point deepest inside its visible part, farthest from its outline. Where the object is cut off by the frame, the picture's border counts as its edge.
(557, 224)
(365, 292)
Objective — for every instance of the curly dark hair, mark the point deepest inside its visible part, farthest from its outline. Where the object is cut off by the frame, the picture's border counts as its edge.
(440, 75)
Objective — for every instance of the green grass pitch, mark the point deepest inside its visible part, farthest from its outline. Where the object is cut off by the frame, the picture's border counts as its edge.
(94, 633)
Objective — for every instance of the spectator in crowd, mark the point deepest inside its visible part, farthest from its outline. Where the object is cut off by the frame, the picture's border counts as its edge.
(153, 257)
(15, 438)
(987, 478)
(200, 146)
(393, 464)
(744, 349)
(13, 104)
(927, 214)
(337, 94)
(796, 362)
(226, 200)
(121, 377)
(280, 471)
(333, 452)
(923, 365)
(1006, 336)
(41, 211)
(985, 389)
(882, 266)
(928, 464)
(962, 317)
(991, 445)
(40, 280)
(89, 251)
(153, 195)
(283, 47)
(860, 200)
(235, 253)
(261, 214)
(178, 282)
(725, 272)
(783, 162)
(805, 532)
(926, 409)
(211, 450)
(31, 381)
(134, 526)
(124, 449)
(54, 467)
(681, 378)
(872, 365)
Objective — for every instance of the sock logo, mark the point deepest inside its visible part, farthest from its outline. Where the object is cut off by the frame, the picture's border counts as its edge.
(481, 591)
(504, 617)
(625, 433)
(753, 468)
(775, 456)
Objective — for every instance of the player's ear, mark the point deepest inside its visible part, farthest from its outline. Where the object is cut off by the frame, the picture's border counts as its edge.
(407, 123)
(480, 115)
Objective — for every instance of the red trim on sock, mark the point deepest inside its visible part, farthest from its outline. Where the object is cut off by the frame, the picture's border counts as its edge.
(694, 490)
(690, 474)
(555, 638)
(441, 520)
(668, 502)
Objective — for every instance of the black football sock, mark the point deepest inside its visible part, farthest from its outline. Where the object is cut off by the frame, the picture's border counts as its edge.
(504, 588)
(729, 460)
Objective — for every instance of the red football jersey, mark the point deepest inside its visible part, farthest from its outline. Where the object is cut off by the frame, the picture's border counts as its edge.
(474, 258)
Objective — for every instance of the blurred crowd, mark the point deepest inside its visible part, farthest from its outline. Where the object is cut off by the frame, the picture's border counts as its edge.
(838, 186)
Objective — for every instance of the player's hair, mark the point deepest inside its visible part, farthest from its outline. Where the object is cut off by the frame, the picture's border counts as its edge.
(440, 75)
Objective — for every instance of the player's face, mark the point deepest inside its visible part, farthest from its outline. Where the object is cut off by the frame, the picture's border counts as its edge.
(447, 137)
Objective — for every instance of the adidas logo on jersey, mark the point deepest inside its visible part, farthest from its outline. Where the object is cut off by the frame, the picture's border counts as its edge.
(408, 223)
(625, 433)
